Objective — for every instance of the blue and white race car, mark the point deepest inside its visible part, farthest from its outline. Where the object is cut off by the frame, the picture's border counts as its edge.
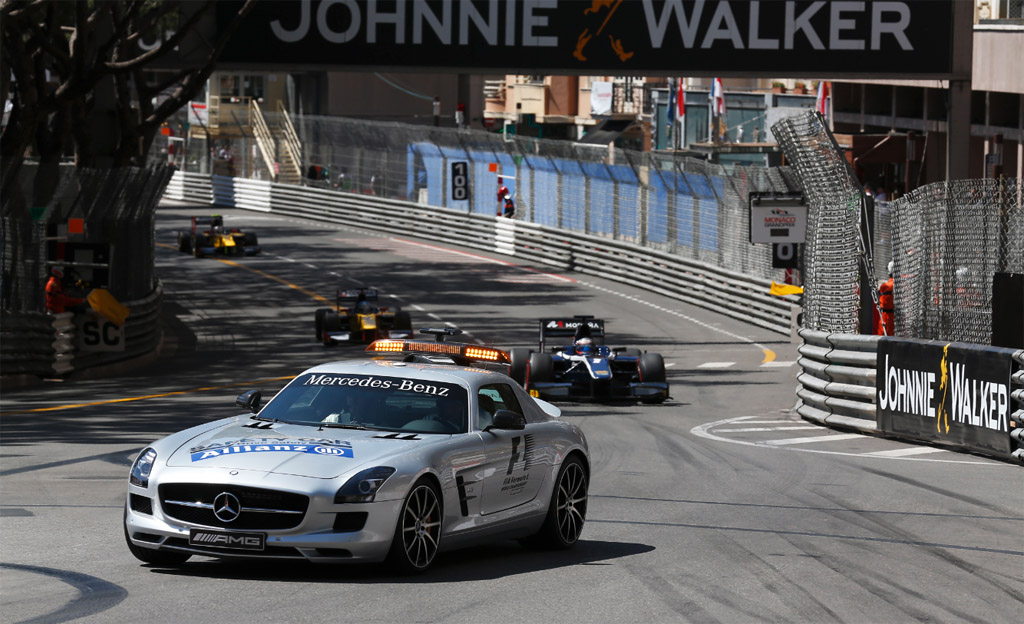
(586, 369)
(377, 459)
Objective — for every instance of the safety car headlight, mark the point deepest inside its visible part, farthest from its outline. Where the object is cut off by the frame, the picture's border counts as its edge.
(363, 486)
(142, 467)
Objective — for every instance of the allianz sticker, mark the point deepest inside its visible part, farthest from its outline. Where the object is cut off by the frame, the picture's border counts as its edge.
(316, 446)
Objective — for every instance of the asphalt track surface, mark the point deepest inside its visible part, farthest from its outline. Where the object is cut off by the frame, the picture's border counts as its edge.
(718, 506)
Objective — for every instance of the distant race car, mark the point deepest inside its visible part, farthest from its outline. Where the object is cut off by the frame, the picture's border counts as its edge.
(586, 369)
(356, 317)
(208, 236)
(366, 460)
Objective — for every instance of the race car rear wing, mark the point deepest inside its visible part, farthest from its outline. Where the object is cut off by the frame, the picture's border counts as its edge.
(568, 328)
(348, 298)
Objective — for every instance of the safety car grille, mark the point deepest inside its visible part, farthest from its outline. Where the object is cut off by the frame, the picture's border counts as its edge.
(350, 521)
(261, 509)
(141, 504)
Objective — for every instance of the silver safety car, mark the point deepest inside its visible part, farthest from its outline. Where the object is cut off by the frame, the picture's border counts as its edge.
(381, 459)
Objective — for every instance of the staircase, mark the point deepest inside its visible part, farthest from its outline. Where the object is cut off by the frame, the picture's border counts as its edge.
(279, 145)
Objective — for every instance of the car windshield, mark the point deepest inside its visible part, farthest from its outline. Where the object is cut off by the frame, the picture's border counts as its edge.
(371, 402)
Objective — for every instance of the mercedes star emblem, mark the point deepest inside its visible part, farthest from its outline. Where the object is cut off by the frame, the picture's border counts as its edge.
(226, 507)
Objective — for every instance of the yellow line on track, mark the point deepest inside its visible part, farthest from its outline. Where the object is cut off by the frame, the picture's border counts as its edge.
(143, 398)
(769, 356)
(276, 279)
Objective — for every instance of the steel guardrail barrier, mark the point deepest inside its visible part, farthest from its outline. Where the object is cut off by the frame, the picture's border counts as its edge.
(1017, 394)
(837, 379)
(733, 294)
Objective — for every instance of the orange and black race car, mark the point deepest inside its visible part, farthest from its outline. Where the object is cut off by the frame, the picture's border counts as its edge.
(209, 236)
(356, 317)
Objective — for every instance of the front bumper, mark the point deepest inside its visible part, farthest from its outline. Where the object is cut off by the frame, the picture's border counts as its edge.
(325, 534)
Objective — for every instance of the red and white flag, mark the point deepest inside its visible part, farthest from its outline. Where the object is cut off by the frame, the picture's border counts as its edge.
(680, 99)
(718, 95)
(820, 103)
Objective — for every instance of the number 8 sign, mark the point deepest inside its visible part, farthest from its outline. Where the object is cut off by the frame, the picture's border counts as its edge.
(460, 181)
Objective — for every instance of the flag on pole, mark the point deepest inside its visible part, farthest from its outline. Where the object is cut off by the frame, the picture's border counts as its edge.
(718, 95)
(671, 103)
(819, 104)
(681, 99)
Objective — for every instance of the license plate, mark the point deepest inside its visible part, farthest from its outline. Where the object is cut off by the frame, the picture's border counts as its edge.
(225, 539)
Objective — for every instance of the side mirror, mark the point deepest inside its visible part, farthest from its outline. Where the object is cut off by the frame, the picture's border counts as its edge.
(507, 419)
(250, 400)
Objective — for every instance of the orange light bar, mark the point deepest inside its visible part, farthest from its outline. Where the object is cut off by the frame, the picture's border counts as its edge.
(448, 348)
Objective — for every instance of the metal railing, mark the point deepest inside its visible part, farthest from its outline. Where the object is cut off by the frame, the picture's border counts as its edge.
(264, 138)
(291, 139)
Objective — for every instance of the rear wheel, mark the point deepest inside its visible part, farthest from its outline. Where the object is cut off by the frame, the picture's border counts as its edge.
(150, 555)
(250, 240)
(331, 322)
(540, 368)
(520, 357)
(318, 322)
(568, 509)
(403, 320)
(185, 242)
(198, 242)
(418, 532)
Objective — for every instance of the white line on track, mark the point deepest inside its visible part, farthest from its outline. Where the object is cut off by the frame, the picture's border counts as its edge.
(832, 437)
(903, 452)
(749, 429)
(716, 364)
(703, 431)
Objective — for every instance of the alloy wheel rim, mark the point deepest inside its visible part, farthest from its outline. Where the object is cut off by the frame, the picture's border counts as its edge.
(421, 526)
(572, 503)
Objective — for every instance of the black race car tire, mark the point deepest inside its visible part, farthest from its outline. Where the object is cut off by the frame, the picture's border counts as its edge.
(652, 367)
(318, 322)
(150, 555)
(198, 241)
(520, 357)
(250, 240)
(418, 530)
(185, 242)
(331, 322)
(403, 320)
(541, 368)
(567, 511)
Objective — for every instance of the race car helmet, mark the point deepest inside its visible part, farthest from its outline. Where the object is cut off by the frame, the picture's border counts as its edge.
(584, 346)
(363, 307)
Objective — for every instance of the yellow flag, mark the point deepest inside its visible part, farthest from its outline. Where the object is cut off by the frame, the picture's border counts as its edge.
(106, 306)
(781, 290)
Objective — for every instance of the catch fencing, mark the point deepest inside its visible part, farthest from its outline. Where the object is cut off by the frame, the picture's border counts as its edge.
(689, 208)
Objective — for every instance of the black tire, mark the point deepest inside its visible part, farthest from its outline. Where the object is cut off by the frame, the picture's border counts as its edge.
(651, 367)
(418, 530)
(150, 555)
(185, 242)
(520, 357)
(403, 320)
(198, 241)
(331, 322)
(318, 322)
(250, 240)
(568, 509)
(540, 368)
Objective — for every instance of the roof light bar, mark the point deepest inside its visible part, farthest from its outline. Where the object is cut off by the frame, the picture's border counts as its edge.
(470, 352)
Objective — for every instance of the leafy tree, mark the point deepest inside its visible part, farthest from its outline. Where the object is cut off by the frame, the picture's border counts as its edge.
(98, 101)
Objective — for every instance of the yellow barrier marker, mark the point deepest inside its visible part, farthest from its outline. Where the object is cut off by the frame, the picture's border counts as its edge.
(769, 356)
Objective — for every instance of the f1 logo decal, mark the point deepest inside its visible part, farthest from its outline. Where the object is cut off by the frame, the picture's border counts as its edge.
(515, 454)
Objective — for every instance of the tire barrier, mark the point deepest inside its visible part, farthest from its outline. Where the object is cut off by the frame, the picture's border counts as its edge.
(1017, 393)
(47, 345)
(734, 294)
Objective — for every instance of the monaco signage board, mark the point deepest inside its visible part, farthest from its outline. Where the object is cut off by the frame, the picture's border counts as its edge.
(951, 393)
(906, 38)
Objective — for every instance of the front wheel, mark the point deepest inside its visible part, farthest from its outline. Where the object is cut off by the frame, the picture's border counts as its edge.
(150, 555)
(568, 509)
(520, 360)
(418, 532)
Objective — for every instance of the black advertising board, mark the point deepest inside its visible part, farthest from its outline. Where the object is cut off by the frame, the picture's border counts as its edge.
(908, 38)
(952, 393)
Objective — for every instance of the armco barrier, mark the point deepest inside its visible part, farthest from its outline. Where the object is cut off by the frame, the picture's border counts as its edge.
(837, 379)
(727, 292)
(1017, 394)
(44, 345)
